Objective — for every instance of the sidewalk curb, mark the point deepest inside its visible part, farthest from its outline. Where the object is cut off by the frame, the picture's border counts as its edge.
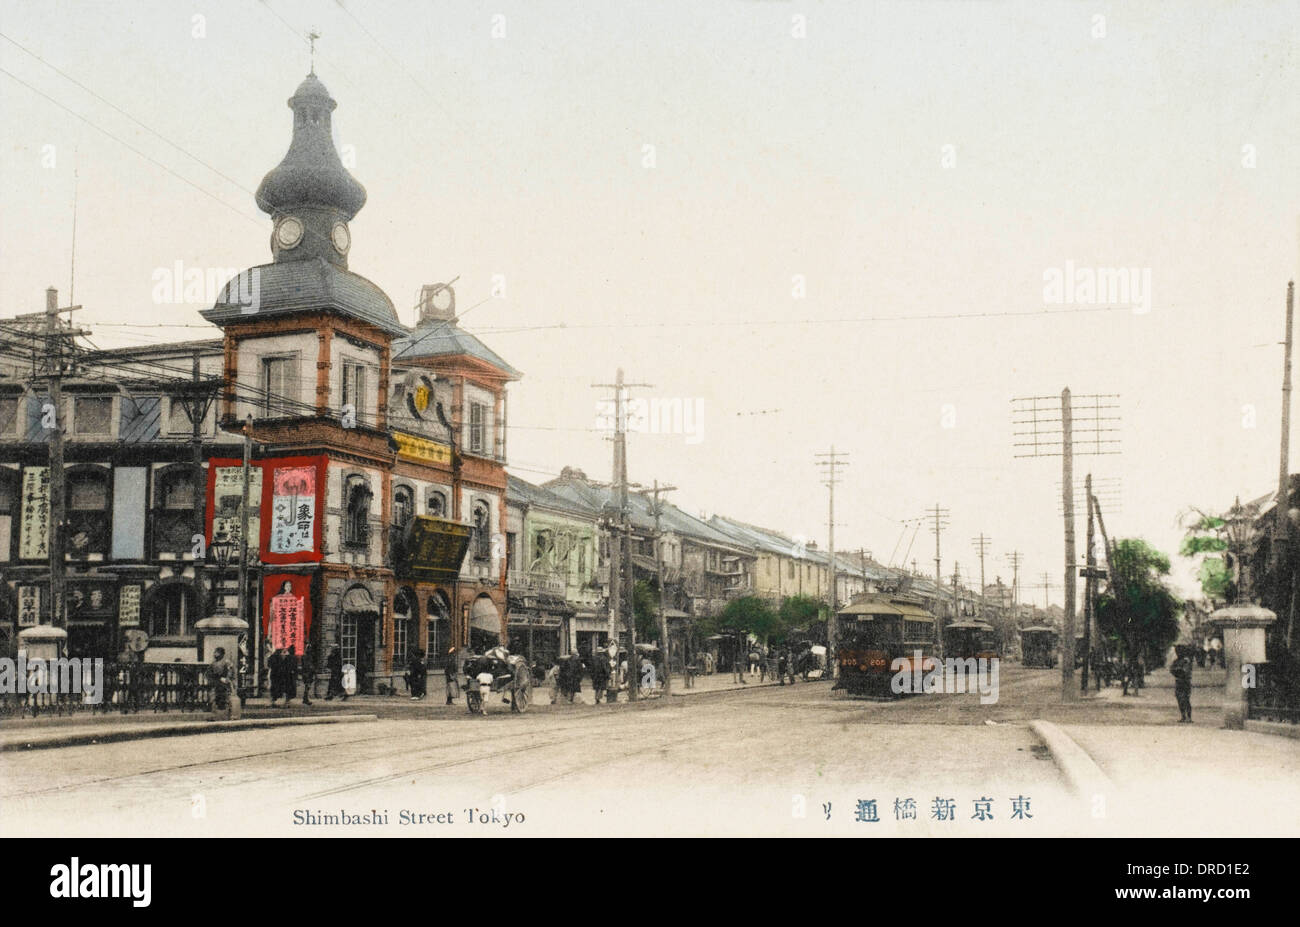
(148, 731)
(1079, 769)
(1274, 729)
(745, 688)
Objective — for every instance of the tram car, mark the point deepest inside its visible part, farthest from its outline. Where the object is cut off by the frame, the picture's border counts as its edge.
(1038, 646)
(874, 631)
(970, 640)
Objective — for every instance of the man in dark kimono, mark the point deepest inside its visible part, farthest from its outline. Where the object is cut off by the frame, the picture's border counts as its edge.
(599, 673)
(334, 664)
(418, 674)
(275, 669)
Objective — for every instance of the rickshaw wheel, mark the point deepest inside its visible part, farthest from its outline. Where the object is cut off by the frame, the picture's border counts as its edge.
(519, 700)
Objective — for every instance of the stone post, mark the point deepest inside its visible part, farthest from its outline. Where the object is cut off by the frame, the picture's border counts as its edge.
(1243, 645)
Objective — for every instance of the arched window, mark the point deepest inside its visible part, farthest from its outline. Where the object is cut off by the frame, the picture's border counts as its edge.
(356, 521)
(403, 607)
(437, 630)
(88, 511)
(403, 506)
(177, 488)
(171, 611)
(437, 504)
(482, 531)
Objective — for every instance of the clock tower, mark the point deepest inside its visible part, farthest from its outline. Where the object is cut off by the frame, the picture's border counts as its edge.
(310, 195)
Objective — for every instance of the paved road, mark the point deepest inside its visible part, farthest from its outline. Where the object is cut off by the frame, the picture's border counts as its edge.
(761, 761)
(730, 763)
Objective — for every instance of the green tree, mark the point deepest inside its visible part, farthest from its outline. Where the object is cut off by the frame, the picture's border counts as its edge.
(1137, 609)
(645, 607)
(748, 615)
(1206, 539)
(798, 612)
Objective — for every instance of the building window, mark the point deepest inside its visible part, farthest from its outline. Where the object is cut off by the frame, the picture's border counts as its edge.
(356, 521)
(92, 415)
(403, 506)
(354, 389)
(178, 418)
(437, 632)
(279, 385)
(171, 612)
(88, 515)
(477, 427)
(9, 493)
(482, 531)
(437, 505)
(8, 414)
(348, 638)
(401, 627)
(511, 551)
(178, 489)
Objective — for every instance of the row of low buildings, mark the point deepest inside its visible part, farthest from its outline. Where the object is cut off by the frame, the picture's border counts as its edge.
(380, 519)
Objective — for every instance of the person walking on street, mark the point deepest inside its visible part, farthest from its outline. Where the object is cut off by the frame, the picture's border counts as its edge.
(599, 674)
(334, 664)
(276, 674)
(419, 675)
(451, 675)
(1182, 673)
(553, 682)
(308, 674)
(289, 676)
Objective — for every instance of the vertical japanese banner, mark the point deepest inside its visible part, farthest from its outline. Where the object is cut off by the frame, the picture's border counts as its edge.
(286, 617)
(293, 510)
(29, 606)
(34, 531)
(293, 504)
(226, 494)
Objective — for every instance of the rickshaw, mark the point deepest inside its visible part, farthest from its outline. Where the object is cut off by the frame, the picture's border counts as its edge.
(510, 675)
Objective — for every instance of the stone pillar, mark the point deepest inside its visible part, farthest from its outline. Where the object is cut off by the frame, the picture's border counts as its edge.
(223, 630)
(1243, 644)
(43, 642)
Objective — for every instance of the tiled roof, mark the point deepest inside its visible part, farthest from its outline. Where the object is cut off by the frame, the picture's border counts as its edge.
(441, 338)
(303, 286)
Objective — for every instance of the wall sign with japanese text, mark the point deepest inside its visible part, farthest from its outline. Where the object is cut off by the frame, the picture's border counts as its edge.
(226, 494)
(29, 606)
(293, 510)
(128, 607)
(286, 612)
(34, 531)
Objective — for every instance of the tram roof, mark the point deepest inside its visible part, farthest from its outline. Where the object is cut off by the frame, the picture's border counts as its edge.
(1038, 629)
(886, 607)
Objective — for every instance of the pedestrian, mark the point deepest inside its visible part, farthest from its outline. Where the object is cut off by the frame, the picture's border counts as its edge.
(334, 665)
(552, 681)
(308, 674)
(219, 672)
(279, 662)
(451, 675)
(599, 674)
(289, 677)
(418, 674)
(484, 678)
(1182, 673)
(571, 676)
(782, 664)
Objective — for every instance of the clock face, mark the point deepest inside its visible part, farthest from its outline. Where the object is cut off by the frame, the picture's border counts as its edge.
(289, 232)
(342, 240)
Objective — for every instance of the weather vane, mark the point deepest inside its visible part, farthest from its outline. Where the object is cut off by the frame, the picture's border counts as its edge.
(311, 40)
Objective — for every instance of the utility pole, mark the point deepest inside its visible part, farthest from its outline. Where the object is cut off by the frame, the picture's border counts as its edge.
(1284, 478)
(621, 585)
(981, 547)
(659, 569)
(56, 365)
(1043, 434)
(830, 463)
(1091, 574)
(1016, 558)
(254, 634)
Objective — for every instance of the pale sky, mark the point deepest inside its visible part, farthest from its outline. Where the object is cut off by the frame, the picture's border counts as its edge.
(790, 140)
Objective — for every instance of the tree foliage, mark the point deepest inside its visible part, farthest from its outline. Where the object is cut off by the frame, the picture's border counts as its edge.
(1137, 608)
(797, 612)
(1206, 538)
